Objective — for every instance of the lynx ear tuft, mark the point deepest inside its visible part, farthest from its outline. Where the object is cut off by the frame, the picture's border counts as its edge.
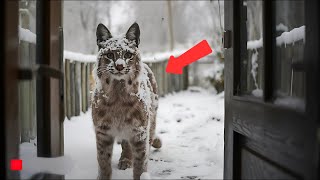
(102, 33)
(133, 33)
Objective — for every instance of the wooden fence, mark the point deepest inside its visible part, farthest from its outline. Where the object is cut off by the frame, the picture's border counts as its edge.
(78, 81)
(77, 86)
(168, 83)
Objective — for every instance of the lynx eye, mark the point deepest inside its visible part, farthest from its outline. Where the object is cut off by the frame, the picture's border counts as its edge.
(110, 55)
(128, 55)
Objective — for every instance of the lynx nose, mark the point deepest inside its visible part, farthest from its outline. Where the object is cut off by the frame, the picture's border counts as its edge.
(119, 67)
(120, 63)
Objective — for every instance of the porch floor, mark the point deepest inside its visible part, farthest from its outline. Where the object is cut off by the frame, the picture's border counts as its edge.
(190, 124)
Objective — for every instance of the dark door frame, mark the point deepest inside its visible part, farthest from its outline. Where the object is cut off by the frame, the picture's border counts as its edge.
(241, 113)
(9, 125)
(50, 107)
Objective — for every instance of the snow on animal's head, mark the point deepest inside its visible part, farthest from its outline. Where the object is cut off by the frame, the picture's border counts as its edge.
(117, 56)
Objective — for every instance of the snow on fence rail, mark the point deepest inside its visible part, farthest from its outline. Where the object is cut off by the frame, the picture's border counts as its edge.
(78, 79)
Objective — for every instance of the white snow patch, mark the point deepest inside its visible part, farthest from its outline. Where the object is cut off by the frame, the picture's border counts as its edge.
(257, 92)
(282, 27)
(255, 44)
(285, 38)
(244, 3)
(214, 71)
(292, 36)
(98, 86)
(190, 123)
(33, 164)
(145, 175)
(118, 43)
(144, 91)
(254, 64)
(161, 56)
(120, 62)
(27, 35)
(289, 101)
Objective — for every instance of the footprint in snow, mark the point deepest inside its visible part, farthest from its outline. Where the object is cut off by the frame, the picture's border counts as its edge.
(190, 177)
(177, 105)
(166, 172)
(163, 132)
(213, 118)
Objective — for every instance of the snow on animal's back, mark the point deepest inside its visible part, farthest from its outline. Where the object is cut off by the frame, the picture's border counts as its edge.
(145, 91)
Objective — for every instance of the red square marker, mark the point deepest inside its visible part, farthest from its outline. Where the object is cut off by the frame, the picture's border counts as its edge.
(16, 165)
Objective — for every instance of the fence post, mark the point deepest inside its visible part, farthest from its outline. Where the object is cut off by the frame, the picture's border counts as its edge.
(68, 89)
(24, 94)
(161, 84)
(65, 88)
(185, 78)
(32, 58)
(26, 89)
(83, 87)
(90, 82)
(167, 81)
(77, 88)
(72, 88)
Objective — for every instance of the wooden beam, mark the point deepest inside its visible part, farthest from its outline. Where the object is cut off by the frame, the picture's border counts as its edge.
(49, 119)
(9, 126)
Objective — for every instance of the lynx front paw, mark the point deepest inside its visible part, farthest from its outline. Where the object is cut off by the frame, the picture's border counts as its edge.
(124, 164)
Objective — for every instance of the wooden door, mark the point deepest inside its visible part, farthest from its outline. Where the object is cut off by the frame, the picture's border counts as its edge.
(271, 89)
(47, 72)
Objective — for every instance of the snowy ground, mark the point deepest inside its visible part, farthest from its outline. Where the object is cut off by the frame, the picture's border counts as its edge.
(190, 124)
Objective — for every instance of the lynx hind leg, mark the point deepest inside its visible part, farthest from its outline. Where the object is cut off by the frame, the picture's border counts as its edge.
(125, 160)
(104, 154)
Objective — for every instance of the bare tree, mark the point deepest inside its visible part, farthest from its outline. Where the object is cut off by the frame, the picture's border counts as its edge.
(80, 22)
(89, 15)
(170, 24)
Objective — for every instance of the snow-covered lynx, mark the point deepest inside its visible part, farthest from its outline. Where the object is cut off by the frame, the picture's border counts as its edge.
(124, 103)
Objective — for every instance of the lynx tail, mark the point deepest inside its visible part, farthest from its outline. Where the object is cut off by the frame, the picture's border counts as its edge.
(157, 143)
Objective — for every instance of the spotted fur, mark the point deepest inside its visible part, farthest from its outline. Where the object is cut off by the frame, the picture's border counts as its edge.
(117, 109)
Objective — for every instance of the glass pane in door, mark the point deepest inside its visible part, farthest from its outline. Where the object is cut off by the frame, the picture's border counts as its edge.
(289, 53)
(251, 49)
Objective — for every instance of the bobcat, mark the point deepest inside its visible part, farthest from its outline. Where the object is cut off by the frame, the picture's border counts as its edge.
(124, 102)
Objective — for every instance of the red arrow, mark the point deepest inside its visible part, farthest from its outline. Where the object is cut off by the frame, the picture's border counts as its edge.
(175, 65)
